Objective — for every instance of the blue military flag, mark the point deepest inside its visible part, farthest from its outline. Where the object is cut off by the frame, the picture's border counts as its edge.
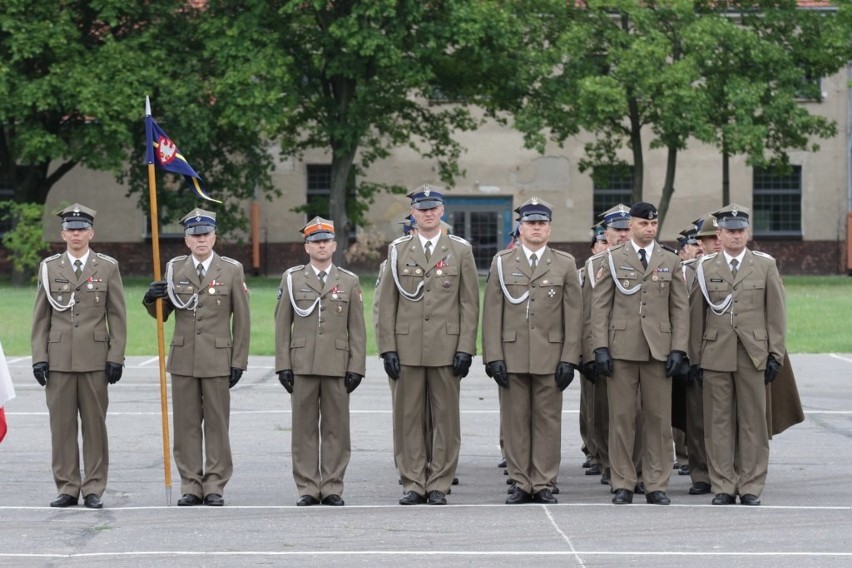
(163, 152)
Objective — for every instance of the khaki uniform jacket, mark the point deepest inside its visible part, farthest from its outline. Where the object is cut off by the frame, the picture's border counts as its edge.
(536, 334)
(430, 331)
(757, 316)
(214, 337)
(591, 273)
(83, 338)
(332, 340)
(650, 323)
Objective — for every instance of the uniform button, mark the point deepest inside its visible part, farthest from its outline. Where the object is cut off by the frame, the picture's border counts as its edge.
(322, 308)
(427, 318)
(76, 325)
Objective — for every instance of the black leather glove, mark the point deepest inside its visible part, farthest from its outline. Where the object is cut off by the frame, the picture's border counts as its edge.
(603, 362)
(564, 375)
(156, 290)
(40, 373)
(696, 374)
(773, 367)
(236, 374)
(392, 366)
(497, 371)
(588, 371)
(285, 377)
(352, 380)
(461, 364)
(113, 372)
(674, 362)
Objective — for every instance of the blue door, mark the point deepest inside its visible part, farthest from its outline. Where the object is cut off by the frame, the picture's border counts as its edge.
(483, 221)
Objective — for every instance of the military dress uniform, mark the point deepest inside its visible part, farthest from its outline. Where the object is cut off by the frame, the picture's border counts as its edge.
(79, 328)
(532, 321)
(428, 314)
(320, 336)
(210, 340)
(640, 315)
(741, 320)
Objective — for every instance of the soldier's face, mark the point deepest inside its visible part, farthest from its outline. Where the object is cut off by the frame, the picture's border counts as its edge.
(733, 240)
(643, 231)
(688, 252)
(709, 245)
(428, 220)
(321, 251)
(201, 245)
(534, 234)
(599, 246)
(617, 236)
(77, 240)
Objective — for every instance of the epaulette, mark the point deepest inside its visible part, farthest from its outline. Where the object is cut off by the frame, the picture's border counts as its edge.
(178, 258)
(764, 255)
(668, 248)
(232, 261)
(707, 257)
(689, 261)
(459, 239)
(596, 256)
(54, 257)
(294, 269)
(344, 271)
(506, 252)
(563, 254)
(401, 239)
(617, 247)
(107, 258)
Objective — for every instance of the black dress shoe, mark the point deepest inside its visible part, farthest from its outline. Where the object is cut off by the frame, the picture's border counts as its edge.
(63, 500)
(436, 498)
(188, 500)
(506, 471)
(555, 489)
(412, 498)
(723, 499)
(623, 497)
(595, 469)
(214, 500)
(307, 501)
(749, 499)
(518, 497)
(502, 463)
(683, 470)
(699, 488)
(512, 488)
(587, 463)
(658, 498)
(639, 489)
(92, 501)
(333, 500)
(455, 481)
(510, 481)
(604, 479)
(545, 497)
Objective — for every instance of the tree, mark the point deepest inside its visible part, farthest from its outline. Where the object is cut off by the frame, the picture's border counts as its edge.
(355, 78)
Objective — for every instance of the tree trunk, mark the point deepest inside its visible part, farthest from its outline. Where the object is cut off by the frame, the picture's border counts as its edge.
(636, 147)
(668, 186)
(341, 165)
(726, 175)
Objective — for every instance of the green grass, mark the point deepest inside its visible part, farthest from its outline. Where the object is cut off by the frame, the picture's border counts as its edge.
(816, 311)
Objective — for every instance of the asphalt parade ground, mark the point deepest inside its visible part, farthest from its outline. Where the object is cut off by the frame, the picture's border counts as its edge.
(805, 519)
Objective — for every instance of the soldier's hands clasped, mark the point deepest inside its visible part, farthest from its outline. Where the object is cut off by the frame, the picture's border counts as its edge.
(156, 290)
(40, 373)
(285, 377)
(113, 372)
(351, 381)
(497, 371)
(773, 367)
(236, 374)
(461, 364)
(674, 362)
(603, 362)
(564, 375)
(392, 366)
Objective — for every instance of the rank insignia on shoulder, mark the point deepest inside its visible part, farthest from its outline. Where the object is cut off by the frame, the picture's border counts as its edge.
(280, 293)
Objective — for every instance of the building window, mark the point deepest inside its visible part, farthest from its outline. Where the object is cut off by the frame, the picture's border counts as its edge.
(611, 185)
(777, 202)
(319, 191)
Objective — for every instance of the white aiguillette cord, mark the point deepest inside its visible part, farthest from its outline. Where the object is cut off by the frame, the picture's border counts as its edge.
(177, 302)
(55, 304)
(622, 289)
(720, 308)
(418, 293)
(301, 312)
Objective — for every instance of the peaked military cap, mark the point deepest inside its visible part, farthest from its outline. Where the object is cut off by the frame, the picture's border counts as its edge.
(733, 216)
(644, 210)
(534, 209)
(707, 226)
(617, 217)
(598, 232)
(77, 216)
(318, 229)
(408, 223)
(426, 197)
(198, 222)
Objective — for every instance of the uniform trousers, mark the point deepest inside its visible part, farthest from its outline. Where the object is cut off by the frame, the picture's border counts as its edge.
(640, 387)
(67, 395)
(531, 414)
(436, 390)
(427, 427)
(320, 442)
(695, 434)
(600, 424)
(202, 446)
(736, 435)
(587, 416)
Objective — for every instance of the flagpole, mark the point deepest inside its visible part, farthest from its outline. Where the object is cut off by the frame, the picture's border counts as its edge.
(155, 245)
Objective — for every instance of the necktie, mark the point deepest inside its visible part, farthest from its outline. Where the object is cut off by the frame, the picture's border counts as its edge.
(200, 271)
(533, 261)
(734, 267)
(78, 268)
(428, 250)
(642, 258)
(321, 277)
